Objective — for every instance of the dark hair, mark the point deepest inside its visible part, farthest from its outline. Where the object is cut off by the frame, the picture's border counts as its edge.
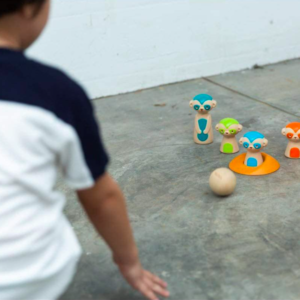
(11, 6)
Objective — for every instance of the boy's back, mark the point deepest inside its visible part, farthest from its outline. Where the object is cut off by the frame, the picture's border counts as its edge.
(47, 123)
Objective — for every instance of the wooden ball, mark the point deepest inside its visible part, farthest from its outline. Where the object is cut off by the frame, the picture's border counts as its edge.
(222, 182)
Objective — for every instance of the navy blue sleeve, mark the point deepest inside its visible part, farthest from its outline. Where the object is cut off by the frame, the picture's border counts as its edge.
(29, 82)
(70, 103)
(88, 130)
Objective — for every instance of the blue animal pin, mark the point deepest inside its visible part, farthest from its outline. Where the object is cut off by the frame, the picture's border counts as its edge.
(254, 142)
(203, 131)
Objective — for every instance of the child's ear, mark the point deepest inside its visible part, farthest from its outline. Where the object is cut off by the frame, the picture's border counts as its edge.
(191, 103)
(217, 127)
(241, 141)
(240, 128)
(265, 142)
(28, 11)
(214, 103)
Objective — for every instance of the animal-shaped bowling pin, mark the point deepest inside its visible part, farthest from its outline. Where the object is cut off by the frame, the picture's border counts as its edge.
(292, 132)
(229, 128)
(254, 142)
(203, 131)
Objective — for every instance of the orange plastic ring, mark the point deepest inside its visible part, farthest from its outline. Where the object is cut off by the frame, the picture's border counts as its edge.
(270, 165)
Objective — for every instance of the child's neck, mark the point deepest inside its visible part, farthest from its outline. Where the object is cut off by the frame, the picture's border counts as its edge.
(9, 44)
(9, 37)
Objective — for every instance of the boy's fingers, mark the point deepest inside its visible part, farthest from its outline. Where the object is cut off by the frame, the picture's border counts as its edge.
(161, 291)
(156, 279)
(156, 287)
(144, 289)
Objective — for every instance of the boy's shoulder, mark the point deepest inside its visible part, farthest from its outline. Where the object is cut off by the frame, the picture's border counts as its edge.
(64, 93)
(16, 65)
(53, 76)
(27, 81)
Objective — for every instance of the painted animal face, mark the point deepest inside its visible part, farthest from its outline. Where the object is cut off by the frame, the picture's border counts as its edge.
(230, 131)
(291, 133)
(254, 146)
(203, 108)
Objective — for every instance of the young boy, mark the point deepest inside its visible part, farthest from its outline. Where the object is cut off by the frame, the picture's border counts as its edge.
(46, 124)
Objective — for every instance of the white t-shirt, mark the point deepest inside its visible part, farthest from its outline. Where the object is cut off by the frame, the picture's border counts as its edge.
(38, 248)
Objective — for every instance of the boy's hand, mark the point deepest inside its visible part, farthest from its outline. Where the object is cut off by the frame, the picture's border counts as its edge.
(105, 205)
(143, 281)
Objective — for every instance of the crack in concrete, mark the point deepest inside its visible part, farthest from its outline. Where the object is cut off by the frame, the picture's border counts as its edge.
(249, 97)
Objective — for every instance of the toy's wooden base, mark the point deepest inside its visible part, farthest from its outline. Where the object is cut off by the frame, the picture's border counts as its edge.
(205, 143)
(230, 153)
(270, 165)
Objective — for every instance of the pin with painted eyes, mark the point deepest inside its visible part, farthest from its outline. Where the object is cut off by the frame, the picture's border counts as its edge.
(229, 128)
(257, 146)
(254, 162)
(253, 141)
(203, 132)
(292, 133)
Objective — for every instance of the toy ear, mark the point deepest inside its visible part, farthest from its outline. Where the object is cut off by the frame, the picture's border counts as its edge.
(217, 127)
(213, 103)
(240, 128)
(265, 142)
(241, 141)
(283, 131)
(191, 103)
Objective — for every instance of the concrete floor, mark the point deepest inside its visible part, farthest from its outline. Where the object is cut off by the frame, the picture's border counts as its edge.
(245, 246)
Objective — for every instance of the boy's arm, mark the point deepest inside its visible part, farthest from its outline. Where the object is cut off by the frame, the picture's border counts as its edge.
(105, 206)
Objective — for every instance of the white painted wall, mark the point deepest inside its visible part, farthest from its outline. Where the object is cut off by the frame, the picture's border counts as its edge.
(116, 46)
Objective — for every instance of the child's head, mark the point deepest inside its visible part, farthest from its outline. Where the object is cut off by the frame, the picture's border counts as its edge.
(22, 21)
